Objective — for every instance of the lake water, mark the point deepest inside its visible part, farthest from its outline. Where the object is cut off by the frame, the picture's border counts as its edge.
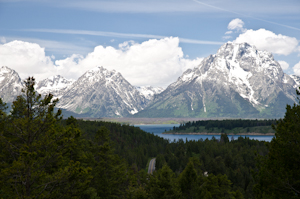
(158, 129)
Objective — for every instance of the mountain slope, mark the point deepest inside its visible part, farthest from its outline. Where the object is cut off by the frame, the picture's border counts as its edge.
(10, 84)
(56, 85)
(102, 93)
(238, 81)
(296, 79)
(148, 91)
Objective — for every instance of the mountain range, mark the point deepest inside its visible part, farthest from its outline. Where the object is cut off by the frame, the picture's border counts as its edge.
(238, 81)
(97, 93)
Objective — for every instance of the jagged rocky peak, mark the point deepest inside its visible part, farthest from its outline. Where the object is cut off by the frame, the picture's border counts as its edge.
(55, 85)
(253, 73)
(242, 55)
(99, 73)
(296, 79)
(102, 93)
(10, 84)
(6, 73)
(56, 81)
(238, 81)
(148, 91)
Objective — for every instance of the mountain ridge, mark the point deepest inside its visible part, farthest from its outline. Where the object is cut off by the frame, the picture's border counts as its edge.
(102, 93)
(238, 81)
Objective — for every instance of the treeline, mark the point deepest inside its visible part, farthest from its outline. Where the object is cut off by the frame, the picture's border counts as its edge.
(224, 124)
(235, 159)
(129, 142)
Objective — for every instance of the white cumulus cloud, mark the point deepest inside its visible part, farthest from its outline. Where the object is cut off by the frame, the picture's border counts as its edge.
(236, 24)
(156, 62)
(284, 65)
(27, 59)
(269, 41)
(296, 69)
(153, 62)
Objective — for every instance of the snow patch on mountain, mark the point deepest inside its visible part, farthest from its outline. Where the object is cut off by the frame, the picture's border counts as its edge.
(237, 80)
(296, 79)
(148, 91)
(56, 85)
(238, 66)
(10, 84)
(101, 92)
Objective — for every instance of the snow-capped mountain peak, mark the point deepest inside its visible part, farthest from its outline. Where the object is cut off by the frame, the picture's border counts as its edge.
(238, 66)
(99, 73)
(103, 93)
(10, 84)
(237, 79)
(148, 91)
(55, 85)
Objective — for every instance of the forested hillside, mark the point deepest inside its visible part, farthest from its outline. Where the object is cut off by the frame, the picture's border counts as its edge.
(232, 126)
(43, 156)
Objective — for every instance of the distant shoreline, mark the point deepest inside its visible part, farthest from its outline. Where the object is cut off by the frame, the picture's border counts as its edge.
(147, 121)
(205, 133)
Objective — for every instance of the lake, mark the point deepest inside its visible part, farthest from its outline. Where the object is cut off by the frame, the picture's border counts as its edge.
(158, 129)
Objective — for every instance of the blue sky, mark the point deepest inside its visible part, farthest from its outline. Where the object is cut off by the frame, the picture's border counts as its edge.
(72, 36)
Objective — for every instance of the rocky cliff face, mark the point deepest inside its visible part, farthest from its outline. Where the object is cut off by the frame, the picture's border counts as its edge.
(297, 80)
(238, 81)
(10, 84)
(56, 85)
(102, 93)
(148, 91)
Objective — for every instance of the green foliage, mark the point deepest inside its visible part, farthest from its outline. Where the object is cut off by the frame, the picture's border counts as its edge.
(160, 161)
(279, 175)
(188, 181)
(129, 142)
(193, 184)
(226, 126)
(36, 151)
(163, 184)
(235, 159)
(109, 171)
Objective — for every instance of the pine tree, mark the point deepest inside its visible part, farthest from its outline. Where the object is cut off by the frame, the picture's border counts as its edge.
(162, 184)
(109, 171)
(188, 181)
(279, 171)
(36, 150)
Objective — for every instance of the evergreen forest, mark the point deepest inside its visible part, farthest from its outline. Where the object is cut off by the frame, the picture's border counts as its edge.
(227, 126)
(43, 155)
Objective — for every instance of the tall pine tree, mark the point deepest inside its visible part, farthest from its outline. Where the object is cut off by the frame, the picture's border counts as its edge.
(36, 151)
(279, 171)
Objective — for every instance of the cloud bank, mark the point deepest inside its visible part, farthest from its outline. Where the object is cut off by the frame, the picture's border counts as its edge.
(266, 40)
(27, 59)
(262, 39)
(153, 62)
